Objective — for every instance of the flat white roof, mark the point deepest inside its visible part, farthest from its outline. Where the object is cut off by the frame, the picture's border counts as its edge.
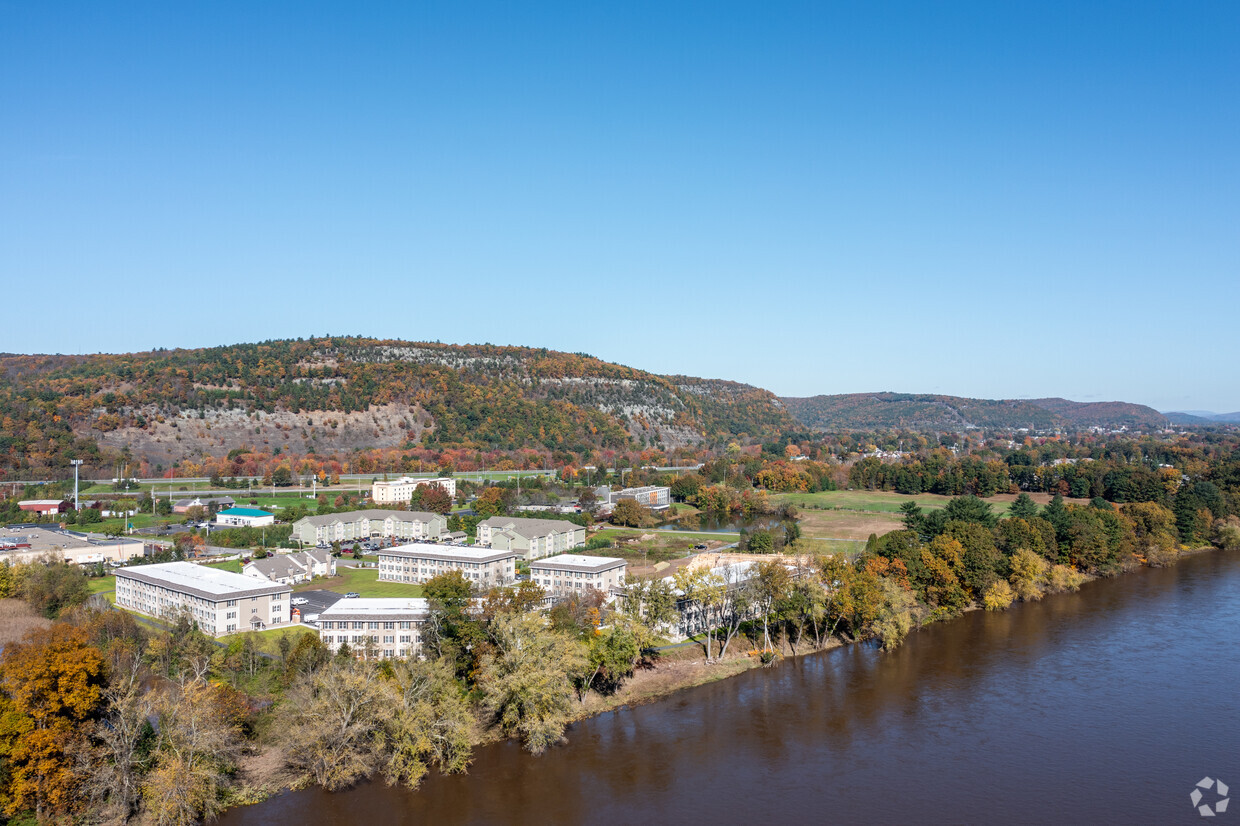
(577, 560)
(433, 551)
(376, 606)
(199, 579)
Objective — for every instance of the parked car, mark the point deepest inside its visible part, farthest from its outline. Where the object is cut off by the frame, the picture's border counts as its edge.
(352, 595)
(311, 619)
(300, 601)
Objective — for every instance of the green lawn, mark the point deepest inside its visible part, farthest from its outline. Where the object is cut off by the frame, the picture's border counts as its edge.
(281, 500)
(365, 581)
(268, 640)
(233, 565)
(101, 584)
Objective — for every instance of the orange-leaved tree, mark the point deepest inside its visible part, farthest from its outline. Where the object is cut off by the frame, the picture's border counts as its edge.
(50, 684)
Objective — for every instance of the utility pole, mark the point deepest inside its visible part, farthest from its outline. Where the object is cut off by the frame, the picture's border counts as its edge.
(77, 463)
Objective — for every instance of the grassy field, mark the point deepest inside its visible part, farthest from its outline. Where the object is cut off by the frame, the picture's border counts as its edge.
(365, 581)
(666, 537)
(268, 641)
(855, 514)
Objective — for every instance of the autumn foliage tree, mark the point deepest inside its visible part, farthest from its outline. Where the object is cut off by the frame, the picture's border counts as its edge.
(431, 497)
(630, 513)
(52, 683)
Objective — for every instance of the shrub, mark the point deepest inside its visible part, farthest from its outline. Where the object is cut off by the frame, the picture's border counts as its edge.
(1063, 578)
(998, 596)
(1028, 574)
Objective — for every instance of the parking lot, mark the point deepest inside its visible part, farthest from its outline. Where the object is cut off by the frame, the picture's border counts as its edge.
(317, 601)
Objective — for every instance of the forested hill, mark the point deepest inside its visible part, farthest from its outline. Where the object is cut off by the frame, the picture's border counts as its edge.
(341, 394)
(868, 411)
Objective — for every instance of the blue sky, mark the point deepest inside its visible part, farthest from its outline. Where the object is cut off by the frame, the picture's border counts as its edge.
(984, 199)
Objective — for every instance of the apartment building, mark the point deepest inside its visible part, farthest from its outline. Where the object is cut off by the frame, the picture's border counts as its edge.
(532, 538)
(573, 573)
(411, 526)
(380, 628)
(289, 569)
(220, 602)
(400, 491)
(654, 497)
(419, 561)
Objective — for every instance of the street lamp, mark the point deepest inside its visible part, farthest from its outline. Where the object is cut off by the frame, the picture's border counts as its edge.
(76, 464)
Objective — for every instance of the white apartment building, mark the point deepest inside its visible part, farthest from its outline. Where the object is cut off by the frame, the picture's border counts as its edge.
(220, 602)
(410, 526)
(533, 538)
(385, 628)
(654, 497)
(400, 491)
(419, 561)
(573, 574)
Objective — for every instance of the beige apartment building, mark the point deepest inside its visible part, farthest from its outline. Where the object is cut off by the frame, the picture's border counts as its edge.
(573, 574)
(220, 602)
(419, 561)
(533, 538)
(400, 491)
(353, 526)
(384, 628)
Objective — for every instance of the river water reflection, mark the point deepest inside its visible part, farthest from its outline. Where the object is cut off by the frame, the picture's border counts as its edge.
(1104, 706)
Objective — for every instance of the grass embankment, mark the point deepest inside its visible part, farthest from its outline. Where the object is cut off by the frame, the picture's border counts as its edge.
(363, 581)
(855, 514)
(673, 671)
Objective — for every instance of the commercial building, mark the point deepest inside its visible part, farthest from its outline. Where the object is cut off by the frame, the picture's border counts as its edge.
(289, 569)
(44, 507)
(220, 602)
(533, 538)
(400, 491)
(369, 524)
(573, 573)
(27, 543)
(419, 561)
(244, 518)
(380, 628)
(219, 503)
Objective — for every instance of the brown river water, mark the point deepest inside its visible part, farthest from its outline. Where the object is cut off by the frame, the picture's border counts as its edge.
(1104, 706)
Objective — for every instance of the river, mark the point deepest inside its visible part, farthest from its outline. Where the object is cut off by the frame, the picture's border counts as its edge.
(1104, 706)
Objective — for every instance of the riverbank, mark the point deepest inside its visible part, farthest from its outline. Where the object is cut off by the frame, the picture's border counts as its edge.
(263, 772)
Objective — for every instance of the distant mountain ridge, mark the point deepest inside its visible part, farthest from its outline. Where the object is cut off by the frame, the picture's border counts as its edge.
(332, 395)
(867, 411)
(1202, 417)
